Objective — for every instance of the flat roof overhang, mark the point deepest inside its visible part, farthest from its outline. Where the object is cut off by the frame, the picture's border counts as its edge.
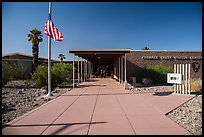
(100, 55)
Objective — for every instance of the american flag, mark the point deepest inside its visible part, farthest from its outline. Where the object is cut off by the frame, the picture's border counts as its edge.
(53, 32)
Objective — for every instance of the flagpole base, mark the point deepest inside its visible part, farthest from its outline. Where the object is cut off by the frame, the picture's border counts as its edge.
(49, 95)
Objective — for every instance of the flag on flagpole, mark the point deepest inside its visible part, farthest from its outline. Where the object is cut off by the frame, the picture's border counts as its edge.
(52, 31)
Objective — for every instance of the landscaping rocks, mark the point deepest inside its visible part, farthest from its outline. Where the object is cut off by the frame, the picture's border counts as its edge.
(17, 99)
(156, 88)
(189, 115)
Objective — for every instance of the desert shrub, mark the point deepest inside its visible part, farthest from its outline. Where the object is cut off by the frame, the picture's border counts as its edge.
(158, 73)
(11, 71)
(196, 85)
(200, 104)
(60, 72)
(40, 76)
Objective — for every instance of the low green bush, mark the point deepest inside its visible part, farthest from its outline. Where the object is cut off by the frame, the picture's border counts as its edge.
(60, 72)
(11, 71)
(158, 73)
(40, 76)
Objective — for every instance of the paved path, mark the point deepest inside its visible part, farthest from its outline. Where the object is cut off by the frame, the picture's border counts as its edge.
(101, 106)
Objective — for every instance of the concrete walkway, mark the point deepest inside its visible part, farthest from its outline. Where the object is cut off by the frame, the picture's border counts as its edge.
(101, 106)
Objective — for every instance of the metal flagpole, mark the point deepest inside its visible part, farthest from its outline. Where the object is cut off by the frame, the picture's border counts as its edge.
(49, 56)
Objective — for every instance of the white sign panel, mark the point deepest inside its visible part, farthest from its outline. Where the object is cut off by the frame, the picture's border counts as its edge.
(174, 78)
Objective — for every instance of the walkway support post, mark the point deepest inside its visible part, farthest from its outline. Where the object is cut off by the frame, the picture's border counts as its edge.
(84, 69)
(125, 72)
(81, 71)
(73, 71)
(78, 71)
(119, 70)
(89, 69)
(122, 80)
(189, 80)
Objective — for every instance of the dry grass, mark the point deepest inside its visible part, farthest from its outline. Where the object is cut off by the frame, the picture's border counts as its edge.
(196, 85)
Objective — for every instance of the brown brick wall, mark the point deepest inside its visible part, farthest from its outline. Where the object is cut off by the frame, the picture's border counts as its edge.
(135, 61)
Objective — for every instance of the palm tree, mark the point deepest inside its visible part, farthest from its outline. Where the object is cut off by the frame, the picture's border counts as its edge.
(61, 57)
(145, 48)
(35, 37)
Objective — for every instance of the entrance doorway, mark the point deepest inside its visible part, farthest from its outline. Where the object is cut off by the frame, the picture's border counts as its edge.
(102, 66)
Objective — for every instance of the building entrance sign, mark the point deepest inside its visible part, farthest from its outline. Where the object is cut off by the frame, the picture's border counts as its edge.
(174, 78)
(172, 57)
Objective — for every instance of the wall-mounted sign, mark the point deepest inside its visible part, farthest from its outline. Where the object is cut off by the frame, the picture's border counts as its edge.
(171, 57)
(181, 58)
(150, 57)
(174, 78)
(196, 66)
(196, 58)
(166, 57)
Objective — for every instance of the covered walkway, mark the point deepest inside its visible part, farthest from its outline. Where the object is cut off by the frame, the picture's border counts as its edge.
(93, 62)
(101, 106)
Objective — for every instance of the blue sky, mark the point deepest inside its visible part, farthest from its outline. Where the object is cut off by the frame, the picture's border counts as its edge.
(104, 25)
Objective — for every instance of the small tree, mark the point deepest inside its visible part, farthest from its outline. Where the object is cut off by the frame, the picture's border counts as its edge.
(61, 57)
(145, 48)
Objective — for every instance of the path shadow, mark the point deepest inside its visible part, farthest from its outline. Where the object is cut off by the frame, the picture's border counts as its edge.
(196, 93)
(92, 80)
(92, 85)
(103, 94)
(163, 93)
(65, 86)
(60, 129)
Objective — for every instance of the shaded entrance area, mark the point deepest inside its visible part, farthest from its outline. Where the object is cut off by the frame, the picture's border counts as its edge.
(100, 63)
(97, 66)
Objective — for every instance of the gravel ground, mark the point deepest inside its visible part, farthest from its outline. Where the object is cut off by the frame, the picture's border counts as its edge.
(189, 115)
(20, 97)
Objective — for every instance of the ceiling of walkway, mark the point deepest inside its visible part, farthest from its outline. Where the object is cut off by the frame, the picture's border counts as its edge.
(100, 55)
